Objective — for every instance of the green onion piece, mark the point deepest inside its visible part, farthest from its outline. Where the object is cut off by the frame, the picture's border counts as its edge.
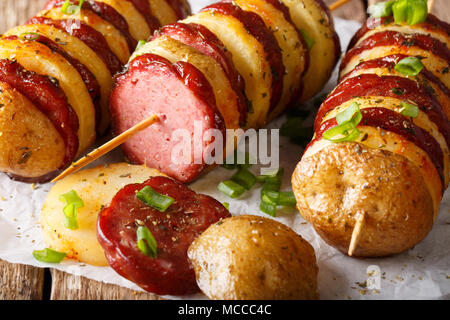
(68, 8)
(287, 199)
(146, 243)
(270, 209)
(49, 255)
(245, 178)
(154, 199)
(140, 44)
(417, 12)
(272, 184)
(399, 9)
(410, 66)
(270, 197)
(226, 205)
(310, 42)
(381, 9)
(73, 202)
(31, 36)
(351, 114)
(409, 110)
(231, 188)
(345, 132)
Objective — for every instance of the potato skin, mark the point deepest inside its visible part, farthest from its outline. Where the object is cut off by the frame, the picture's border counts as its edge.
(254, 258)
(343, 180)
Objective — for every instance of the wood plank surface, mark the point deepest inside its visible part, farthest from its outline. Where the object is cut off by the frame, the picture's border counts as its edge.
(25, 282)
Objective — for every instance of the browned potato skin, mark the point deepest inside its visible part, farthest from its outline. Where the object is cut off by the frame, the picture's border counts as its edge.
(30, 146)
(331, 186)
(254, 258)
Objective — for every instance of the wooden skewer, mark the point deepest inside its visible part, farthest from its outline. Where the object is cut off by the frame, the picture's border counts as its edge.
(114, 143)
(337, 4)
(107, 147)
(430, 5)
(357, 233)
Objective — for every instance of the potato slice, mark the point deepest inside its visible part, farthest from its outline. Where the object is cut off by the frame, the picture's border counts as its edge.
(163, 12)
(96, 187)
(433, 63)
(116, 41)
(173, 50)
(37, 57)
(80, 51)
(309, 16)
(30, 146)
(389, 141)
(137, 25)
(393, 104)
(291, 47)
(248, 57)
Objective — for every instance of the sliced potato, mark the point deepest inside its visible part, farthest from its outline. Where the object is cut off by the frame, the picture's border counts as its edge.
(433, 63)
(393, 104)
(96, 187)
(248, 57)
(291, 47)
(80, 51)
(116, 41)
(37, 57)
(309, 16)
(30, 146)
(173, 50)
(253, 258)
(163, 12)
(137, 25)
(389, 141)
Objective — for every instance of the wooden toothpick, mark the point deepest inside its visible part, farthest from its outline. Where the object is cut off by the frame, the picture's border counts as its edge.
(356, 234)
(338, 4)
(107, 147)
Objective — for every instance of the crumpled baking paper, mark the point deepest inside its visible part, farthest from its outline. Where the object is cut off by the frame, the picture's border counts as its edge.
(420, 273)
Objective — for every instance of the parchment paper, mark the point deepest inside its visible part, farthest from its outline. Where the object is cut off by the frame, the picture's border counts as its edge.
(421, 273)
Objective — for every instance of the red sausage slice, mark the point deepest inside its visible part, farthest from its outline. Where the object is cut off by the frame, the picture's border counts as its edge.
(255, 26)
(89, 79)
(104, 11)
(387, 86)
(50, 99)
(200, 38)
(182, 97)
(174, 230)
(395, 122)
(143, 6)
(91, 37)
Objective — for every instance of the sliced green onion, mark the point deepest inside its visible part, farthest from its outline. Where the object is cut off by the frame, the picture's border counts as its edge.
(226, 205)
(351, 114)
(73, 202)
(417, 12)
(310, 42)
(70, 9)
(154, 199)
(146, 243)
(49, 255)
(276, 173)
(345, 132)
(410, 66)
(231, 188)
(381, 9)
(409, 110)
(272, 184)
(287, 199)
(245, 178)
(140, 44)
(270, 197)
(31, 36)
(399, 9)
(270, 209)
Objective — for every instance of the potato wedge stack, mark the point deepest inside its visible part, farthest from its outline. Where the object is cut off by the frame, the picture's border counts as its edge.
(375, 189)
(56, 78)
(240, 63)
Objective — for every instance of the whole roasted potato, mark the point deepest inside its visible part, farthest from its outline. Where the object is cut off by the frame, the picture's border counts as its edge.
(375, 199)
(250, 257)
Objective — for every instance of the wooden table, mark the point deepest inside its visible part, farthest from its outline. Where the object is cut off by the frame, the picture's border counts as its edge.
(25, 282)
